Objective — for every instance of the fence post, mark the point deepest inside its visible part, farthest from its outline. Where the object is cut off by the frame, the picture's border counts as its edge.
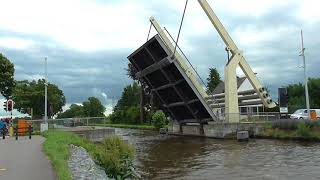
(30, 131)
(3, 133)
(87, 121)
(16, 132)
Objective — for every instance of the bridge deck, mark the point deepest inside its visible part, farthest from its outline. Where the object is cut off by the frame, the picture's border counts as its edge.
(169, 82)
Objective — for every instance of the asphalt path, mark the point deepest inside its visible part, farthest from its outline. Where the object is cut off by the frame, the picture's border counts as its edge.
(24, 159)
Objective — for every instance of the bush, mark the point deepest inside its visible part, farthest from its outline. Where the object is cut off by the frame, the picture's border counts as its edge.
(159, 120)
(116, 157)
(304, 130)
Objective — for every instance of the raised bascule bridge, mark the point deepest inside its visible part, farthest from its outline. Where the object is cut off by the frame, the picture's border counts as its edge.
(162, 65)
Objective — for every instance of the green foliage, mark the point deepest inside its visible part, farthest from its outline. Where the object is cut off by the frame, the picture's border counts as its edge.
(93, 107)
(304, 130)
(74, 111)
(130, 115)
(159, 120)
(297, 95)
(116, 157)
(129, 97)
(213, 79)
(127, 109)
(114, 154)
(7, 82)
(30, 94)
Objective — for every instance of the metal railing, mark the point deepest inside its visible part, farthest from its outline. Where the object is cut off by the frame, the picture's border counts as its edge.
(251, 117)
(67, 122)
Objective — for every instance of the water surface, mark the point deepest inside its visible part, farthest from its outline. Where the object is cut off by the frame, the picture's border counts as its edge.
(178, 157)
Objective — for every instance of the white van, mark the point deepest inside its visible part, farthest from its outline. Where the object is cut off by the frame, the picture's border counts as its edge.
(303, 114)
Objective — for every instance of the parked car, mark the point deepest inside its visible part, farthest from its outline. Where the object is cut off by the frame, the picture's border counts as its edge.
(303, 114)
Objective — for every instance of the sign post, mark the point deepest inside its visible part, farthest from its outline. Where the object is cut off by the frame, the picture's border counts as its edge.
(283, 100)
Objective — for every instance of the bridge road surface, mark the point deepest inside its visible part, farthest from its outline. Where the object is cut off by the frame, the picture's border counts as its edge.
(24, 160)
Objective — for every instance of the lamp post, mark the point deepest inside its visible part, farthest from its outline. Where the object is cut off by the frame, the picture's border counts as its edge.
(44, 126)
(45, 92)
(305, 76)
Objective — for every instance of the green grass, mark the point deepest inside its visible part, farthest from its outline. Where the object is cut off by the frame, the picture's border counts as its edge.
(113, 154)
(128, 126)
(56, 147)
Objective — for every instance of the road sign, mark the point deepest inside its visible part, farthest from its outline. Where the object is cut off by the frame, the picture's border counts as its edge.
(283, 109)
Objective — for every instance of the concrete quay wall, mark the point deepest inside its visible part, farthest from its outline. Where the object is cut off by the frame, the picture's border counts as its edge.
(215, 130)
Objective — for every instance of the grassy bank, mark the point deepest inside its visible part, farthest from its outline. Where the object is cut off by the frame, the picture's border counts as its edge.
(302, 132)
(56, 147)
(113, 154)
(128, 126)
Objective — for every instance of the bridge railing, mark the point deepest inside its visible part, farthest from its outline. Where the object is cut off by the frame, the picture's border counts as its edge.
(251, 117)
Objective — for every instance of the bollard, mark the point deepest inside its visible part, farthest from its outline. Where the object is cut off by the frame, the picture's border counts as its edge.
(16, 132)
(11, 131)
(30, 131)
(3, 133)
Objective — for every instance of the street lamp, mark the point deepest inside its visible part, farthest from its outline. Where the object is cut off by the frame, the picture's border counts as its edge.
(44, 126)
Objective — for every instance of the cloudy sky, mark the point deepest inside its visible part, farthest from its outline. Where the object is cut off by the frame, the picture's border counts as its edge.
(87, 41)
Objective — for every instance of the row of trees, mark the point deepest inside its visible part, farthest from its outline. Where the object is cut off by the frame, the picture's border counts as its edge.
(29, 96)
(90, 108)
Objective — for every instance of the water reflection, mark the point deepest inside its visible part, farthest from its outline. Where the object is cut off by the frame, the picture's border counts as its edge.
(162, 157)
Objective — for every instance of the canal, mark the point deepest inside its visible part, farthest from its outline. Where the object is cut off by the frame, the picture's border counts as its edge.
(177, 157)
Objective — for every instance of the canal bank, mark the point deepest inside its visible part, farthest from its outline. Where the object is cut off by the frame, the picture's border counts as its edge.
(282, 129)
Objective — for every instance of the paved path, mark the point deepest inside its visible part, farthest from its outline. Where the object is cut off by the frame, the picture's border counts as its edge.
(24, 159)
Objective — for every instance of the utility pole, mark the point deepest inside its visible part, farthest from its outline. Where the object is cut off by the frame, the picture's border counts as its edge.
(305, 75)
(45, 92)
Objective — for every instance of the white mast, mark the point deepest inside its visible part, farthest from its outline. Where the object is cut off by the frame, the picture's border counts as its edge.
(45, 92)
(305, 76)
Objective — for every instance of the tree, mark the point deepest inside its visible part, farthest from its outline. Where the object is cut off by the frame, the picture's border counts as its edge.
(296, 95)
(131, 72)
(74, 111)
(7, 82)
(127, 109)
(93, 108)
(30, 94)
(213, 79)
(129, 97)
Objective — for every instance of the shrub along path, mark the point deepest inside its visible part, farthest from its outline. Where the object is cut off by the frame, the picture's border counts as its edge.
(24, 159)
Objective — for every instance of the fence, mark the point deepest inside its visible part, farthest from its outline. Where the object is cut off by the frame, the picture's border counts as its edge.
(251, 117)
(67, 122)
(100, 121)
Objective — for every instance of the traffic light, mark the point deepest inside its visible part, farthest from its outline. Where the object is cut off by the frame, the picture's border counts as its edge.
(10, 105)
(5, 107)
